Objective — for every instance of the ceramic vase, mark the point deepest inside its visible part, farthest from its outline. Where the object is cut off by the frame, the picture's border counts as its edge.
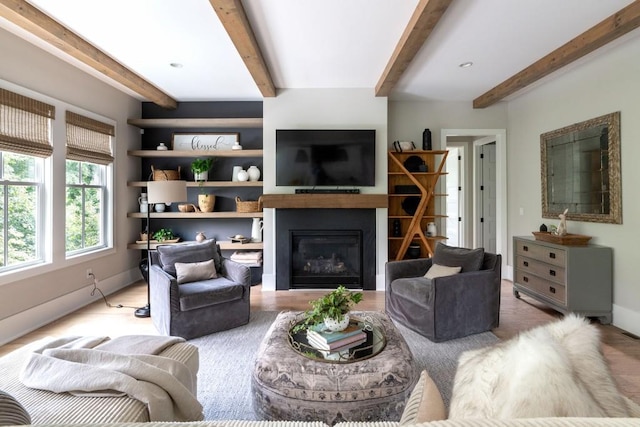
(243, 176)
(200, 237)
(201, 176)
(254, 173)
(206, 202)
(336, 326)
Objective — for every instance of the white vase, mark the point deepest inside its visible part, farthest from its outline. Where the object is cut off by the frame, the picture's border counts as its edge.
(254, 173)
(201, 176)
(243, 176)
(336, 326)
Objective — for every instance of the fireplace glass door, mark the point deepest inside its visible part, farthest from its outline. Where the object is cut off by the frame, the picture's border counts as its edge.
(326, 258)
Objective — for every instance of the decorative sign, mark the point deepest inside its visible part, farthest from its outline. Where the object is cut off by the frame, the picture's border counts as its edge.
(204, 141)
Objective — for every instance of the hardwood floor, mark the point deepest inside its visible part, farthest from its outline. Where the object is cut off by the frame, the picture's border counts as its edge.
(621, 350)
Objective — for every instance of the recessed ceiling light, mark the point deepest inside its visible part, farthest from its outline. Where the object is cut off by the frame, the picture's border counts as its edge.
(176, 65)
(466, 64)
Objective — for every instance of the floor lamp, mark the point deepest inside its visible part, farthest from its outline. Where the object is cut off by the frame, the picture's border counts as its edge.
(165, 192)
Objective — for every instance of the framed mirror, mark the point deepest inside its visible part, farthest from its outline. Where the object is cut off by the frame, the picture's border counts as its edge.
(580, 171)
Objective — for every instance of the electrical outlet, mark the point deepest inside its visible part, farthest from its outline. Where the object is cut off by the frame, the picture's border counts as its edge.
(89, 273)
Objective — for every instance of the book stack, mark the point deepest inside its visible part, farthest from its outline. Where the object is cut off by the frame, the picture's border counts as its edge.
(335, 341)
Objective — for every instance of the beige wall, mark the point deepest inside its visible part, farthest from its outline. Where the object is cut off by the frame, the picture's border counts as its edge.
(47, 292)
(604, 83)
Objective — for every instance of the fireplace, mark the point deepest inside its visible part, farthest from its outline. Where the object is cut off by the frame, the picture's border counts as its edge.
(325, 258)
(325, 248)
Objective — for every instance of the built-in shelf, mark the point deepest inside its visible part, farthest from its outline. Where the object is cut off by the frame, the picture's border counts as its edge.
(324, 201)
(195, 215)
(195, 153)
(224, 245)
(206, 184)
(197, 123)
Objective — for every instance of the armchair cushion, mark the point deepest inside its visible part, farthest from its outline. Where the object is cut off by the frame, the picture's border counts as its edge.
(468, 259)
(438, 270)
(416, 289)
(191, 252)
(206, 293)
(194, 271)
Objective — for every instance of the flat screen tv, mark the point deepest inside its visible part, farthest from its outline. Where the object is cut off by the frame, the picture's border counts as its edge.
(327, 157)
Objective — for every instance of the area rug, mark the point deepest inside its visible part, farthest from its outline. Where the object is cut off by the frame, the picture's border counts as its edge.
(226, 362)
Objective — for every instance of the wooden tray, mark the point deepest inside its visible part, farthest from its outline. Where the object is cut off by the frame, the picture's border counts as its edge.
(568, 239)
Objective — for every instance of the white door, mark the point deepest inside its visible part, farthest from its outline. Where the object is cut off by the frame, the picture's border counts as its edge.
(487, 200)
(453, 181)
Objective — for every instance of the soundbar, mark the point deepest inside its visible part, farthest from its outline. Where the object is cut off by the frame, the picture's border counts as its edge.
(327, 191)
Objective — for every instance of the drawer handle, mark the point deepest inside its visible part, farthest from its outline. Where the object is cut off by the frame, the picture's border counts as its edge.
(525, 279)
(526, 263)
(525, 248)
(552, 255)
(552, 272)
(552, 289)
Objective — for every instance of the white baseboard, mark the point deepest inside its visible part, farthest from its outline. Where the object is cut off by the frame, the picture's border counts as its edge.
(22, 323)
(268, 282)
(626, 319)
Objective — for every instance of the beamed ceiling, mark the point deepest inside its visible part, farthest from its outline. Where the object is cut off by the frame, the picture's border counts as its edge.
(248, 50)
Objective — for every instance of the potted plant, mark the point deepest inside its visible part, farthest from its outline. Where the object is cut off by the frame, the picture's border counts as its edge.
(332, 309)
(164, 234)
(200, 168)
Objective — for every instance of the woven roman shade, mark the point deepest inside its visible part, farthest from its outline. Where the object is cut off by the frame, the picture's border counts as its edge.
(25, 125)
(88, 140)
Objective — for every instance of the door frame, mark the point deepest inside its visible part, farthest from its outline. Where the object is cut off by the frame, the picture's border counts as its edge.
(500, 136)
(477, 178)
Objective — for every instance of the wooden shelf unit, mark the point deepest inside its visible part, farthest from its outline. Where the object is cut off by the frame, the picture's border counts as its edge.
(413, 226)
(195, 215)
(205, 184)
(225, 245)
(195, 153)
(197, 123)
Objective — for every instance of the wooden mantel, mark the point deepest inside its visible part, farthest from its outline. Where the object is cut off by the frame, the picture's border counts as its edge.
(324, 201)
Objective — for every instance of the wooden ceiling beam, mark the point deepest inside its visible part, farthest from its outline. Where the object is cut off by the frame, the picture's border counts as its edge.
(26, 16)
(234, 19)
(616, 25)
(424, 19)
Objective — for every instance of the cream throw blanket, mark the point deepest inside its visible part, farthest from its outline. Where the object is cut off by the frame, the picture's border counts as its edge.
(81, 366)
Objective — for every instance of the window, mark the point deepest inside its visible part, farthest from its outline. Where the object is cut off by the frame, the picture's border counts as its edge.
(25, 141)
(88, 159)
(20, 199)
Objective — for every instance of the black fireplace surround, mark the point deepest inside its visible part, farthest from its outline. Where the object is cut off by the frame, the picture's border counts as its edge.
(325, 248)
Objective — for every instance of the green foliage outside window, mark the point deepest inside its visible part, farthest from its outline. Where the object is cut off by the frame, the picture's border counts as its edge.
(18, 210)
(84, 205)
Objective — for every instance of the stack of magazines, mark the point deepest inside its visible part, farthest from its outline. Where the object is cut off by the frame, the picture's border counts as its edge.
(326, 341)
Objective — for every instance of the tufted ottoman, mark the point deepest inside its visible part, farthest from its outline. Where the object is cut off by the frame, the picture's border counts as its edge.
(289, 386)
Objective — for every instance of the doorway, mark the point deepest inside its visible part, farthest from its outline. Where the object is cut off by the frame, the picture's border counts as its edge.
(472, 205)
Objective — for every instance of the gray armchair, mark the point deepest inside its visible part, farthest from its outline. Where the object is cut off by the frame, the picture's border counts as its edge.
(197, 307)
(445, 308)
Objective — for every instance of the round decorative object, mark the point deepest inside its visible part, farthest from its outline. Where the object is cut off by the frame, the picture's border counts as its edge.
(200, 237)
(413, 251)
(243, 176)
(337, 326)
(162, 147)
(206, 202)
(414, 163)
(432, 230)
(160, 207)
(410, 204)
(254, 173)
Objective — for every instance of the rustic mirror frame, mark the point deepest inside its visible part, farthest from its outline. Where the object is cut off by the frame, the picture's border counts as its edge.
(551, 209)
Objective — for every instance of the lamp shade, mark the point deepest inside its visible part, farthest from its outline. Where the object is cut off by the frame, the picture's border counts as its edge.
(166, 191)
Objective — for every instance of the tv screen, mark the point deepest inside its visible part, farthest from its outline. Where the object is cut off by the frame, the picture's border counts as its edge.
(336, 157)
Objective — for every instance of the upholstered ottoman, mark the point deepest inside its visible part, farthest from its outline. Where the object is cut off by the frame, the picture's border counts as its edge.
(45, 407)
(289, 386)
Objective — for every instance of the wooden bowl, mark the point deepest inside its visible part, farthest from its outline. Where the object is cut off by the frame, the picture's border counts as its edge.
(186, 207)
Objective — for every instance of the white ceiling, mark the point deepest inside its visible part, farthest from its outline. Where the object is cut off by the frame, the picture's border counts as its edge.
(323, 44)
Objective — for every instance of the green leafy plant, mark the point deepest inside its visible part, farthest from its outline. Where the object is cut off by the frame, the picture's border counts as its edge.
(201, 165)
(164, 234)
(333, 305)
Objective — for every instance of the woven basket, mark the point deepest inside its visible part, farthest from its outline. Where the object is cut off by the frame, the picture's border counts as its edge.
(248, 206)
(165, 174)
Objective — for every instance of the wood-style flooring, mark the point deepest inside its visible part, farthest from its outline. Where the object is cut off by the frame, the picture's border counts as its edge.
(621, 350)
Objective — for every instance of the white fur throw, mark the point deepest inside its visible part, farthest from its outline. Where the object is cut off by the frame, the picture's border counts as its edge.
(556, 370)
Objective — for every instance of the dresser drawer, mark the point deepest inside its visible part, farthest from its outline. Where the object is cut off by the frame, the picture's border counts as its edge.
(552, 291)
(542, 253)
(542, 269)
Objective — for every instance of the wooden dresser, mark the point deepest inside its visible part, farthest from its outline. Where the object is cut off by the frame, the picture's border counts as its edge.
(566, 278)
